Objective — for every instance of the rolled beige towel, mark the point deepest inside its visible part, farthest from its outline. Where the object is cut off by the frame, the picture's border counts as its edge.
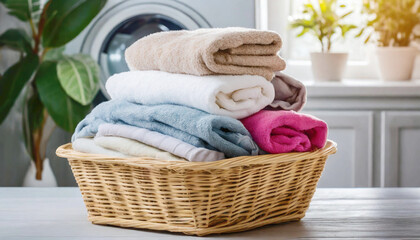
(214, 51)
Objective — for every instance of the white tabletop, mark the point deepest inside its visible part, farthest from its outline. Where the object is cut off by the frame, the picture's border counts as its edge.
(59, 213)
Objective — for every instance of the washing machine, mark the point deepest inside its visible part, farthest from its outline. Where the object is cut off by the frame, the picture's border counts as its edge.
(122, 22)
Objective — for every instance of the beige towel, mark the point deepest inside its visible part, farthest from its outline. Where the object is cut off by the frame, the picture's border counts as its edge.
(233, 51)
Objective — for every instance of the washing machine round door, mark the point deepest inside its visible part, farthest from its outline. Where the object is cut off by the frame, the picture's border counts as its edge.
(125, 22)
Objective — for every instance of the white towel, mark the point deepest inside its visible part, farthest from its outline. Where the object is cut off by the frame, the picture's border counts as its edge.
(228, 95)
(87, 145)
(161, 141)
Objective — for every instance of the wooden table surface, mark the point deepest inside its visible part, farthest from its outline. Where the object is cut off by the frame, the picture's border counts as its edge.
(59, 213)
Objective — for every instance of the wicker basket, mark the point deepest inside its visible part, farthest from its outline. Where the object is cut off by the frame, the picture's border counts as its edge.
(197, 198)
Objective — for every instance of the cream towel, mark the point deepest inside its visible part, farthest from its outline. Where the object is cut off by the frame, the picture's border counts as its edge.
(160, 141)
(87, 145)
(232, 51)
(228, 95)
(133, 148)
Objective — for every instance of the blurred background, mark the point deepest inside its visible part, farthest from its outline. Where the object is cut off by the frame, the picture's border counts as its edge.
(358, 59)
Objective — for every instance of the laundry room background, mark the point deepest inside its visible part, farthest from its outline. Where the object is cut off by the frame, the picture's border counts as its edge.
(119, 24)
(375, 122)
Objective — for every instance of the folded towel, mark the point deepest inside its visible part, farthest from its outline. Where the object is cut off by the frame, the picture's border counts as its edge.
(290, 94)
(160, 141)
(133, 148)
(198, 128)
(87, 145)
(286, 131)
(232, 51)
(233, 96)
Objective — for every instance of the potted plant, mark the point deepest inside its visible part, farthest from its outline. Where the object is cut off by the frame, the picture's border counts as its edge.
(322, 21)
(393, 22)
(57, 88)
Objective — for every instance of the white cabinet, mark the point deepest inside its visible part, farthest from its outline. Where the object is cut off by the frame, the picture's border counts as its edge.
(351, 166)
(377, 128)
(400, 149)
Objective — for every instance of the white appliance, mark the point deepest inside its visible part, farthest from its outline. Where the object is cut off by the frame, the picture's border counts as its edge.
(122, 22)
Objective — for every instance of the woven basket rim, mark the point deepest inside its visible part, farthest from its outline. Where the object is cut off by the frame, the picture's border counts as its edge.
(66, 151)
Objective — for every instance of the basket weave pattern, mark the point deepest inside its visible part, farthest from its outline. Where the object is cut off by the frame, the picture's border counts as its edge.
(197, 198)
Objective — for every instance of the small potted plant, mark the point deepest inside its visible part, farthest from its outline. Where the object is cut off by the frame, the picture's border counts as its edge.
(391, 24)
(323, 21)
(57, 88)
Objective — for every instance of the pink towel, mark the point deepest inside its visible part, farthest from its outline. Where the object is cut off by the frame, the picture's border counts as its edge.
(286, 131)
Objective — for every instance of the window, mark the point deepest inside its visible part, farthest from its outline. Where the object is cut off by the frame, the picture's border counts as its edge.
(300, 47)
(275, 16)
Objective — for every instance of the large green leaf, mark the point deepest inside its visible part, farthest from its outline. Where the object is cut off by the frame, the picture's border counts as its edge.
(13, 81)
(65, 112)
(55, 54)
(32, 118)
(24, 9)
(16, 39)
(66, 19)
(79, 77)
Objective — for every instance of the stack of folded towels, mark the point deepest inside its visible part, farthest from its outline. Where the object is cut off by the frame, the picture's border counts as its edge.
(202, 96)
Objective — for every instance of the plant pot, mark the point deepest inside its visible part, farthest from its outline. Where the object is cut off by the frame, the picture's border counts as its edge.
(396, 63)
(328, 66)
(48, 178)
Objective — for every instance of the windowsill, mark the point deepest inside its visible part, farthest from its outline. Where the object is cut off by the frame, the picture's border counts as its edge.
(307, 63)
(302, 70)
(363, 88)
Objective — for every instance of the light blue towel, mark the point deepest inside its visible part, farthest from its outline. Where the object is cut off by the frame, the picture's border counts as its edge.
(190, 125)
